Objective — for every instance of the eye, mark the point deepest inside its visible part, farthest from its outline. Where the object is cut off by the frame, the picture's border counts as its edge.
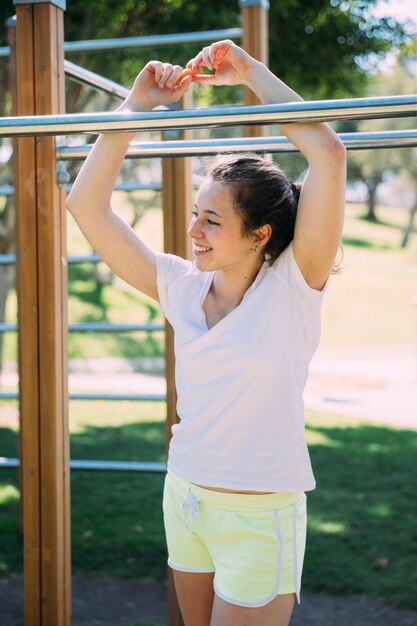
(210, 222)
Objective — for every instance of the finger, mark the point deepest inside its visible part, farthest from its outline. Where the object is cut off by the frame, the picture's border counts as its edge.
(174, 77)
(212, 54)
(195, 63)
(166, 73)
(205, 79)
(155, 67)
(187, 72)
(185, 83)
(219, 51)
(206, 59)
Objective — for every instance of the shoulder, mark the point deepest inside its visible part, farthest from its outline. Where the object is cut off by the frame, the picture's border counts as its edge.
(288, 270)
(169, 267)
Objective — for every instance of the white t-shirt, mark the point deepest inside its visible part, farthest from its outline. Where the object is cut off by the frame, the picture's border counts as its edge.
(240, 384)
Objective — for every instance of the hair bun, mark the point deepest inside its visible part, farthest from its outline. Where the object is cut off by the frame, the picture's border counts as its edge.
(296, 189)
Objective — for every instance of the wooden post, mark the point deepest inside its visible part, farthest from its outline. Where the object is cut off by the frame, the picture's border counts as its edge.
(177, 201)
(255, 41)
(11, 40)
(42, 314)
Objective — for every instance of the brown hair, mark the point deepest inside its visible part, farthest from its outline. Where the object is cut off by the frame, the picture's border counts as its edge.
(262, 195)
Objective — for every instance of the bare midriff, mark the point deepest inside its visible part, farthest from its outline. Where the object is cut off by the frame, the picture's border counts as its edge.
(259, 493)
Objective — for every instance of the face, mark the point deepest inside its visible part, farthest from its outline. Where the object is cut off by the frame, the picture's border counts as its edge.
(219, 242)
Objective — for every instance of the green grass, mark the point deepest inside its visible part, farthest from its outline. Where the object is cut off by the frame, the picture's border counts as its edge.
(362, 531)
(362, 536)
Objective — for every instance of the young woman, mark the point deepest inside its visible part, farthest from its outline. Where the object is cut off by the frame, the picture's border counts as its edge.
(246, 316)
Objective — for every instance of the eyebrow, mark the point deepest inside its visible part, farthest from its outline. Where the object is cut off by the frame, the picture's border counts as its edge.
(209, 211)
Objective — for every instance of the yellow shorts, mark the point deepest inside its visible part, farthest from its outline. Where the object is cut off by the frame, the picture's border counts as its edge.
(254, 543)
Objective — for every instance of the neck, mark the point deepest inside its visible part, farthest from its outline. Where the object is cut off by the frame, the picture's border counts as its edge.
(229, 286)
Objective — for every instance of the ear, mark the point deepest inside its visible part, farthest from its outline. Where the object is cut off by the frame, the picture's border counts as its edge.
(262, 235)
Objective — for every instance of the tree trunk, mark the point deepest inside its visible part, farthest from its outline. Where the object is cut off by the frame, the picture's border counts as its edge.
(372, 187)
(409, 228)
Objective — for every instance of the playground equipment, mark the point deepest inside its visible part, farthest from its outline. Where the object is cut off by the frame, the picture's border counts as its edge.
(37, 49)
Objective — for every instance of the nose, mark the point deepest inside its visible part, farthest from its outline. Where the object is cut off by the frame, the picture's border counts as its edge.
(194, 229)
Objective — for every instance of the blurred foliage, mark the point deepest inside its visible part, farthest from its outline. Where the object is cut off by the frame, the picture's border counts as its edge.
(323, 48)
(372, 166)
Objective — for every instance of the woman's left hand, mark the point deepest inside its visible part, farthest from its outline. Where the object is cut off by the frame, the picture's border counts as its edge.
(232, 64)
(157, 84)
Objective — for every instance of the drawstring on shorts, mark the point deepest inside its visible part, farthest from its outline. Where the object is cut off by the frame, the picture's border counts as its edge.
(189, 510)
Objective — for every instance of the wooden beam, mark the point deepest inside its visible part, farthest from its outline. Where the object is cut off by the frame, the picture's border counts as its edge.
(42, 293)
(254, 15)
(177, 202)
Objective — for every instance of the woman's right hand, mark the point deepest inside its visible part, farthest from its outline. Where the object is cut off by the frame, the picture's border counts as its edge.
(232, 64)
(157, 84)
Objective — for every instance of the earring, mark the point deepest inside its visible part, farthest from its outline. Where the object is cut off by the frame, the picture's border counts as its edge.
(257, 249)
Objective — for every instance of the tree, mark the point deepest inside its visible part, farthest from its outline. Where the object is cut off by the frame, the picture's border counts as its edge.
(370, 166)
(322, 48)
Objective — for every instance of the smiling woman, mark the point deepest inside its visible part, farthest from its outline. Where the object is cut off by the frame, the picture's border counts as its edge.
(246, 318)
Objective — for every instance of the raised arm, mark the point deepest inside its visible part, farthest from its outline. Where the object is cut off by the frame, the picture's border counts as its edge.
(89, 200)
(320, 214)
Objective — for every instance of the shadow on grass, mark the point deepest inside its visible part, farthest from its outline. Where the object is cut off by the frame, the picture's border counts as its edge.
(362, 516)
(378, 222)
(83, 286)
(357, 242)
(11, 548)
(117, 523)
(91, 292)
(362, 533)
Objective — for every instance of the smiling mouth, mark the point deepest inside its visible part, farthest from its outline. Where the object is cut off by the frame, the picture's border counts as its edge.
(201, 249)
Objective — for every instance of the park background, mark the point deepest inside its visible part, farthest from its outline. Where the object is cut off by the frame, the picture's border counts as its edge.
(361, 397)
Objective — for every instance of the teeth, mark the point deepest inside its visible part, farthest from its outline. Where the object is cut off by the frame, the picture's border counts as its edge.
(201, 248)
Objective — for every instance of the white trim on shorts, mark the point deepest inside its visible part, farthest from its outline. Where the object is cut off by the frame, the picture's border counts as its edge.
(275, 593)
(297, 581)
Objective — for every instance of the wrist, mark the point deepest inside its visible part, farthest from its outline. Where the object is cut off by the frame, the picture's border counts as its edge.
(131, 105)
(252, 73)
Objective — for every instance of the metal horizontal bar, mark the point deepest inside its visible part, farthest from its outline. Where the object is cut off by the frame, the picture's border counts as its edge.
(74, 259)
(353, 141)
(92, 45)
(7, 259)
(6, 190)
(132, 185)
(137, 397)
(91, 79)
(313, 111)
(10, 259)
(98, 327)
(119, 466)
(6, 328)
(6, 463)
(9, 395)
(107, 466)
(153, 40)
(106, 327)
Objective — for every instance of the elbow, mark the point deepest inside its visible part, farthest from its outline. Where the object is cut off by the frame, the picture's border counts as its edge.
(330, 151)
(70, 204)
(337, 150)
